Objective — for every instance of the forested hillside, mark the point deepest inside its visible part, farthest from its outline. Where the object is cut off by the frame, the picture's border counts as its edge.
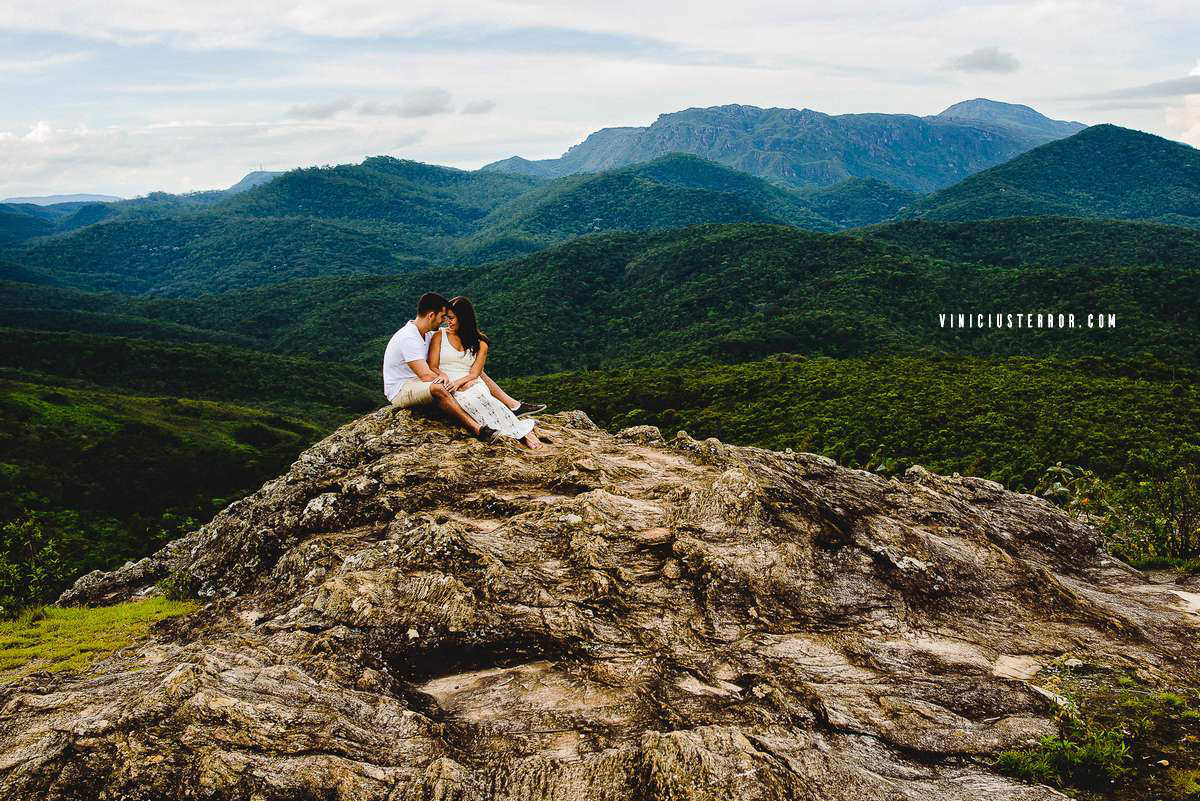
(109, 446)
(704, 293)
(1102, 172)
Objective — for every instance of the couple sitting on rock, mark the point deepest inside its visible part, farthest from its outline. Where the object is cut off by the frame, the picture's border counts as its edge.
(425, 364)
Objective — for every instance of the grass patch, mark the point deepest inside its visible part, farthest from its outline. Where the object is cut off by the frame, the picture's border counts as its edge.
(1191, 565)
(1117, 740)
(71, 638)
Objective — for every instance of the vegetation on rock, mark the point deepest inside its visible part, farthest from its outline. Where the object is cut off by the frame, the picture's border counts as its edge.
(69, 639)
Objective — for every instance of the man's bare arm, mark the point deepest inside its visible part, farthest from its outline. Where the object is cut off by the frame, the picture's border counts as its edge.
(423, 371)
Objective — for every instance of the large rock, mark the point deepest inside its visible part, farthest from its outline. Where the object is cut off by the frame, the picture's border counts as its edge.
(411, 614)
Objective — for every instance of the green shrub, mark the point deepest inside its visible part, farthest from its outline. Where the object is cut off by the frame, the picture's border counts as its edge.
(33, 558)
(1112, 741)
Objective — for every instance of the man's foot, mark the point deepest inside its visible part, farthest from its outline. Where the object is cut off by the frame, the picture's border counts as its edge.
(526, 409)
(486, 434)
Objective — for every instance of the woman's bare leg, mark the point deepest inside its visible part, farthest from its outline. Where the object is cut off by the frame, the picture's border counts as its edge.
(498, 393)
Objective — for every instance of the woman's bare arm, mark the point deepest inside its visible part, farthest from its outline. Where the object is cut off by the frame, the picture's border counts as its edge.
(473, 374)
(477, 365)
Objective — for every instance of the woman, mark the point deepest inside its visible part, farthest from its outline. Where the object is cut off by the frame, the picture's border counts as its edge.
(459, 350)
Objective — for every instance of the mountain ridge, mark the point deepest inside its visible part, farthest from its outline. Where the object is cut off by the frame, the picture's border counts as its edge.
(803, 147)
(52, 200)
(1104, 171)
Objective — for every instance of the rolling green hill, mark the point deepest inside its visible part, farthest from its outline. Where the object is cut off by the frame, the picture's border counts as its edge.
(318, 391)
(109, 446)
(1004, 419)
(669, 192)
(46, 308)
(11, 271)
(1044, 241)
(1103, 171)
(202, 253)
(437, 200)
(710, 293)
(21, 222)
(386, 216)
(858, 201)
(91, 477)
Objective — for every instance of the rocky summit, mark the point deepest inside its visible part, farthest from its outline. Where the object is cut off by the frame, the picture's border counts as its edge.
(411, 614)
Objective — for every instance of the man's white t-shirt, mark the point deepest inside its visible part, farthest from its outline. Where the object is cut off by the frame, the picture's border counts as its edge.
(406, 345)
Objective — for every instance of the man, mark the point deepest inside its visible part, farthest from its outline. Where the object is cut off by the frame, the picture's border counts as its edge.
(409, 381)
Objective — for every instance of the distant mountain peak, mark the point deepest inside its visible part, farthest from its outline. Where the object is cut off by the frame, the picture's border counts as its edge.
(984, 104)
(803, 147)
(50, 200)
(251, 180)
(1012, 115)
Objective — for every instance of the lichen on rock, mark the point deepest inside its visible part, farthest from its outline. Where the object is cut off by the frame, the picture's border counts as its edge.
(408, 613)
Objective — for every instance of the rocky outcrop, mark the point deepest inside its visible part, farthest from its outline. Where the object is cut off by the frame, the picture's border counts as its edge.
(411, 614)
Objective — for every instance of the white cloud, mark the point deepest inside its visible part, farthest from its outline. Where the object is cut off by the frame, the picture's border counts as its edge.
(21, 67)
(1184, 120)
(319, 111)
(132, 161)
(41, 132)
(417, 103)
(985, 59)
(334, 82)
(478, 107)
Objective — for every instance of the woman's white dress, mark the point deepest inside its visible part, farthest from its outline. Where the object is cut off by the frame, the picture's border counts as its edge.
(476, 400)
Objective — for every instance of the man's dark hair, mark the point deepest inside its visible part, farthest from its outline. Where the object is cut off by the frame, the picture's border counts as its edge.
(431, 302)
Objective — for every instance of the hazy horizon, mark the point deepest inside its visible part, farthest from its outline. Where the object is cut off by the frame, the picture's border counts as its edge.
(123, 100)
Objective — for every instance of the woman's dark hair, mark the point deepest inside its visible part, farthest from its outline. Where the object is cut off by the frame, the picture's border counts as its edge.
(468, 326)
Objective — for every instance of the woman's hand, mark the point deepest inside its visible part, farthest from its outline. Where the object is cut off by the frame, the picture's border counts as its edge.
(463, 383)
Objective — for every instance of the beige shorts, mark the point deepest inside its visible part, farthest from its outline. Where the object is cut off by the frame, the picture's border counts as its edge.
(413, 393)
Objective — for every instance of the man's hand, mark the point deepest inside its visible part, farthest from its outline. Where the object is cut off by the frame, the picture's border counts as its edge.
(463, 383)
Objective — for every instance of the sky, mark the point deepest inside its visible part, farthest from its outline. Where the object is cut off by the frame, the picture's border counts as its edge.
(131, 96)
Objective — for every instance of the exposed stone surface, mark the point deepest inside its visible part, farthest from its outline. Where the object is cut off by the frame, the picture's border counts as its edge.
(411, 614)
